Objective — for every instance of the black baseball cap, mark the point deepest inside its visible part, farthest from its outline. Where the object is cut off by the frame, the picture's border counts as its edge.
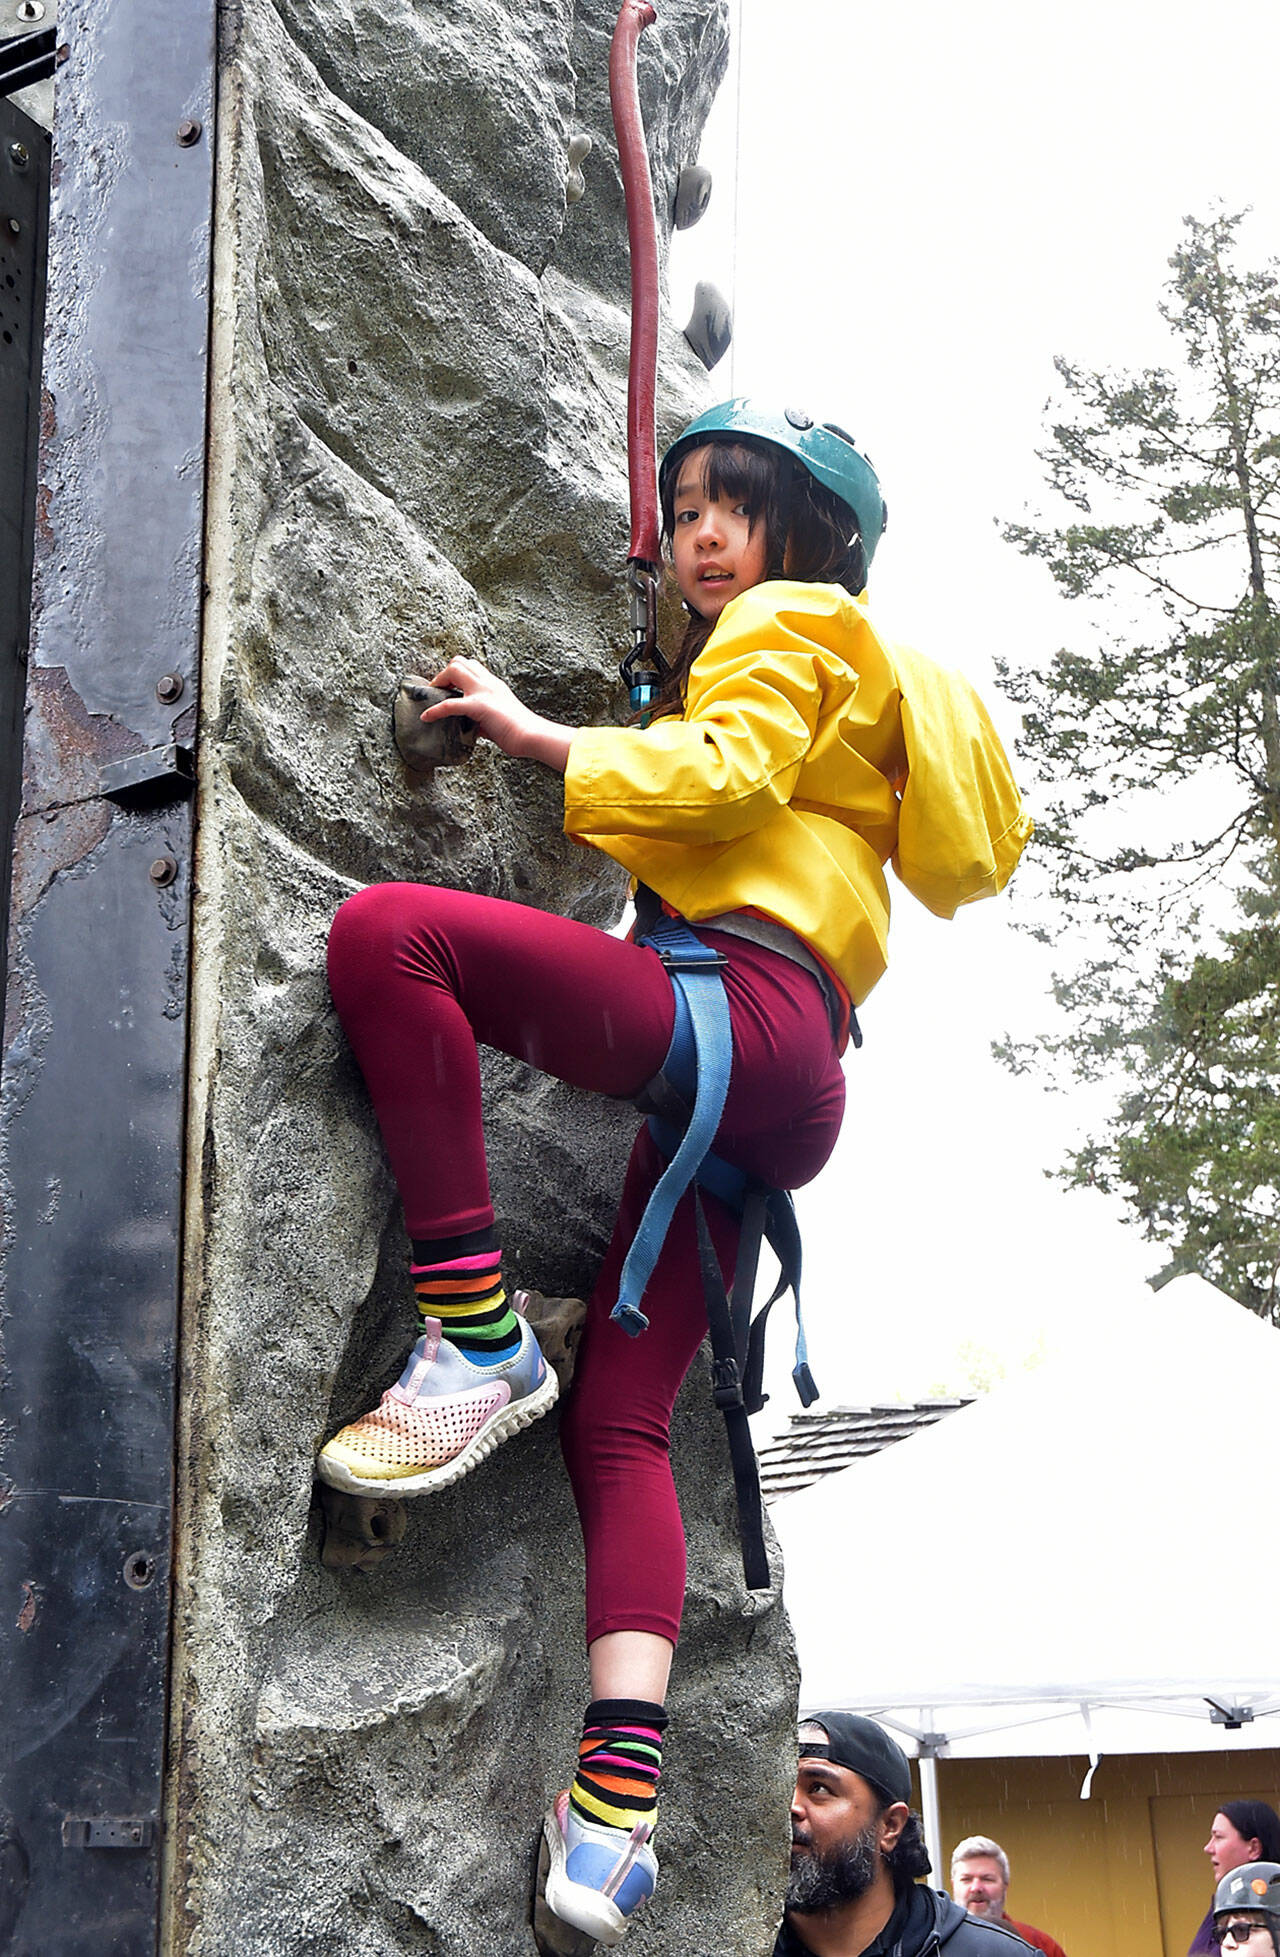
(860, 1744)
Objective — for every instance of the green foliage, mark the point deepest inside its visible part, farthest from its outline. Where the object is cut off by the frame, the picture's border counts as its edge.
(1159, 753)
(982, 1368)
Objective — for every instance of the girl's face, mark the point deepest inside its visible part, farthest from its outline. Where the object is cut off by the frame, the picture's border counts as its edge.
(716, 552)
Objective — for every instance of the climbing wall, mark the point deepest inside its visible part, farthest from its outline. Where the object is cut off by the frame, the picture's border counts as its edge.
(418, 398)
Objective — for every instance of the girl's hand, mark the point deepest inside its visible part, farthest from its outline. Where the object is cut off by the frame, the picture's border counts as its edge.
(500, 716)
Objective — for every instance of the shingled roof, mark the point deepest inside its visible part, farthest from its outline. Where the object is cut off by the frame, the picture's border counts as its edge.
(817, 1444)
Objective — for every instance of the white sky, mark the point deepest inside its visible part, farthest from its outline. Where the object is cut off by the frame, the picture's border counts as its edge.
(931, 202)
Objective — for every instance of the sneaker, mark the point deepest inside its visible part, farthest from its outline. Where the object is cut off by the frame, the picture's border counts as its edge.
(598, 1877)
(440, 1419)
(552, 1936)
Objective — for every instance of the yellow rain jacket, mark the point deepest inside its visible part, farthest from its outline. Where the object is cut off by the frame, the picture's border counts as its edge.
(810, 753)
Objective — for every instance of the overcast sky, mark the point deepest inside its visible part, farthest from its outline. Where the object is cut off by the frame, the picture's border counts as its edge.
(930, 203)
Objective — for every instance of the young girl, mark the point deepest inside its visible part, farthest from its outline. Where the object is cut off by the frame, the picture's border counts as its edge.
(791, 753)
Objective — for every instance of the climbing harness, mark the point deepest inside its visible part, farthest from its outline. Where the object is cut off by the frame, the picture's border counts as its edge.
(644, 667)
(684, 1103)
(701, 1053)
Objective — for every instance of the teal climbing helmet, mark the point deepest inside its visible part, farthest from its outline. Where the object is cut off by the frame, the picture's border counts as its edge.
(824, 450)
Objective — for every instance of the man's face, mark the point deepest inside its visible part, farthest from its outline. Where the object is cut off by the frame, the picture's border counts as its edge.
(839, 1836)
(978, 1884)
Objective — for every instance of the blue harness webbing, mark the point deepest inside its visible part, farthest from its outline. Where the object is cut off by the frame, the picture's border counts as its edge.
(685, 1103)
(701, 1032)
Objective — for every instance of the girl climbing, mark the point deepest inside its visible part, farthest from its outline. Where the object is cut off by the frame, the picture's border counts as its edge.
(791, 754)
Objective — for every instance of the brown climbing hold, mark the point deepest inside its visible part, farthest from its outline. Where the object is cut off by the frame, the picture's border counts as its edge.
(359, 1530)
(558, 1324)
(430, 744)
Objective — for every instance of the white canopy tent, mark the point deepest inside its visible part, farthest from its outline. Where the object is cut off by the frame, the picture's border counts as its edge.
(1087, 1561)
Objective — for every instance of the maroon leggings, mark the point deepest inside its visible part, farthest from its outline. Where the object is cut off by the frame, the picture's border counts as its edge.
(418, 976)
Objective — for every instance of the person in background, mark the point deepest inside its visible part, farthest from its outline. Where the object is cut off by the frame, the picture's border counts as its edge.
(857, 1854)
(980, 1884)
(1242, 1831)
(1246, 1910)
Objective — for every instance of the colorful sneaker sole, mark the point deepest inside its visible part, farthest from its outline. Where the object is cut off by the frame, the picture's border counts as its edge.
(499, 1427)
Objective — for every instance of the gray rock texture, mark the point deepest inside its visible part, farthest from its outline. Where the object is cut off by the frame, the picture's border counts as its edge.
(417, 449)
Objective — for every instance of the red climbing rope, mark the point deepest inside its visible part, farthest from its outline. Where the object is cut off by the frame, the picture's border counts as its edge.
(642, 234)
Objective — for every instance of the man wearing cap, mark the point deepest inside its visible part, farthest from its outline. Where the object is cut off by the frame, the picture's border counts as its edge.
(856, 1852)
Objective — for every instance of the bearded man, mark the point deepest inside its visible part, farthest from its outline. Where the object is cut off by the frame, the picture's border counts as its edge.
(858, 1851)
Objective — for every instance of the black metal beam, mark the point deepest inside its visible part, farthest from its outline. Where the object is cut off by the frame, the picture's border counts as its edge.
(92, 1090)
(24, 224)
(28, 58)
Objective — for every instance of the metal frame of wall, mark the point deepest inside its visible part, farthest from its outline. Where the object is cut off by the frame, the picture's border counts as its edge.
(24, 217)
(93, 1083)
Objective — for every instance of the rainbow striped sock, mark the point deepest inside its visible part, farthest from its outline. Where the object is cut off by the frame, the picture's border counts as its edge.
(619, 1763)
(465, 1293)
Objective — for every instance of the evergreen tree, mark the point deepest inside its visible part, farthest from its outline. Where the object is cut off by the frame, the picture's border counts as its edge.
(1159, 753)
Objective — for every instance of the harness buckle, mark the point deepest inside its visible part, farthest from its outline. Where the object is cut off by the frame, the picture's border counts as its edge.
(694, 957)
(726, 1383)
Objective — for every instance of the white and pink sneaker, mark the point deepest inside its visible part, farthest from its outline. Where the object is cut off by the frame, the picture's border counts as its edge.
(440, 1419)
(598, 1877)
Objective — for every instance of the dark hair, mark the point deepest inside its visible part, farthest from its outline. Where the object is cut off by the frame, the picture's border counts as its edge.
(908, 1859)
(1255, 1821)
(809, 533)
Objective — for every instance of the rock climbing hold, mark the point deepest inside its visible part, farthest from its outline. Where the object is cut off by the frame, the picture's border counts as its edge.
(575, 184)
(710, 327)
(693, 194)
(430, 744)
(558, 1323)
(359, 1530)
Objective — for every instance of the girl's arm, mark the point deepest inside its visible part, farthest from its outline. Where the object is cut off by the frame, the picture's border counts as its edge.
(500, 716)
(754, 697)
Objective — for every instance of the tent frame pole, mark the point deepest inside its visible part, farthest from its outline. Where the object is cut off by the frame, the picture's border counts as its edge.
(931, 1813)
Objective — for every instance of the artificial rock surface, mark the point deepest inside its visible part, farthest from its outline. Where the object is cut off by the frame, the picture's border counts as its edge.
(417, 422)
